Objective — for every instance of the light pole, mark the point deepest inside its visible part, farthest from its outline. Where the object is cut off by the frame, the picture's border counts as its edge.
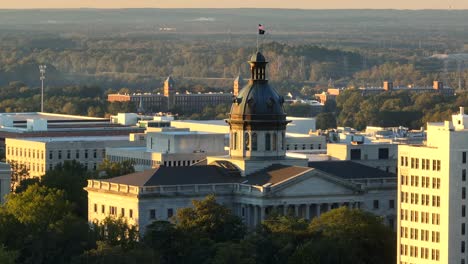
(42, 70)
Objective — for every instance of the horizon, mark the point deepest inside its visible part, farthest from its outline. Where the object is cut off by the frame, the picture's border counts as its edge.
(240, 4)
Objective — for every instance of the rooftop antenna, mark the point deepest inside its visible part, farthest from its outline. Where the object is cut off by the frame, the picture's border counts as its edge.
(42, 70)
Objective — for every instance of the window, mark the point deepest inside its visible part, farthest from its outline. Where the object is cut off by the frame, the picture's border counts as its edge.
(391, 204)
(464, 157)
(122, 212)
(463, 229)
(170, 212)
(130, 213)
(376, 204)
(68, 154)
(152, 214)
(463, 211)
(113, 210)
(247, 141)
(463, 193)
(77, 154)
(275, 139)
(234, 141)
(268, 142)
(95, 153)
(283, 141)
(103, 209)
(60, 154)
(463, 246)
(464, 175)
(95, 208)
(86, 153)
(383, 153)
(355, 154)
(319, 146)
(51, 155)
(254, 142)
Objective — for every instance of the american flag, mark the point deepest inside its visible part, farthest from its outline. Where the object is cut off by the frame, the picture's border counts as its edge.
(261, 29)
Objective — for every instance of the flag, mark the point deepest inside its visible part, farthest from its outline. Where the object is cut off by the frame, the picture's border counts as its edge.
(261, 29)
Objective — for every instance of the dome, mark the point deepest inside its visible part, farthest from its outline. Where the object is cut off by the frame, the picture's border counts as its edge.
(258, 101)
(257, 57)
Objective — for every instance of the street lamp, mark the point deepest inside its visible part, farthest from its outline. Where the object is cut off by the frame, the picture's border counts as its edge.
(42, 70)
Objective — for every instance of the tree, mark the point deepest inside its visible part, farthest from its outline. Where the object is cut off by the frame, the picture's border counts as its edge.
(354, 235)
(46, 231)
(110, 169)
(326, 121)
(24, 184)
(210, 219)
(117, 232)
(19, 172)
(71, 177)
(7, 257)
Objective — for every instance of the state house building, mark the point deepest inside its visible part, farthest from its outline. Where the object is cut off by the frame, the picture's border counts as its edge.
(254, 180)
(169, 100)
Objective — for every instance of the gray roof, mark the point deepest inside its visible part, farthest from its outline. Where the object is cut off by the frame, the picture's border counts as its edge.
(207, 174)
(350, 170)
(274, 174)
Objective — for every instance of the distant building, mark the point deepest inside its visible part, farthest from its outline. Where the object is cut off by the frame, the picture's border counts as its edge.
(437, 87)
(255, 179)
(170, 99)
(432, 195)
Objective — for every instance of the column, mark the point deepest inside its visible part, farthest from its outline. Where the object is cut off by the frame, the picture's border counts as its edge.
(296, 210)
(328, 206)
(285, 209)
(317, 210)
(262, 213)
(255, 215)
(307, 212)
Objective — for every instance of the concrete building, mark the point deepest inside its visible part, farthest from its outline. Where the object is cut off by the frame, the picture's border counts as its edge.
(38, 124)
(42, 154)
(382, 156)
(437, 87)
(254, 180)
(170, 147)
(432, 218)
(5, 181)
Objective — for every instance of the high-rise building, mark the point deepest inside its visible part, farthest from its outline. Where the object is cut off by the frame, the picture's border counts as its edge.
(432, 195)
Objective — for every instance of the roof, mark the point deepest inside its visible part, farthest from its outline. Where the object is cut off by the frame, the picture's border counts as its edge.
(349, 170)
(274, 174)
(77, 138)
(23, 116)
(205, 174)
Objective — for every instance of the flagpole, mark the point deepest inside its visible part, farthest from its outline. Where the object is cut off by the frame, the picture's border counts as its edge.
(257, 41)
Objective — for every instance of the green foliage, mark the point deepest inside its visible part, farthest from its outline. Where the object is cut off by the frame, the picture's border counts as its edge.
(7, 257)
(70, 177)
(298, 110)
(326, 120)
(110, 169)
(400, 108)
(45, 229)
(24, 184)
(211, 220)
(117, 232)
(19, 172)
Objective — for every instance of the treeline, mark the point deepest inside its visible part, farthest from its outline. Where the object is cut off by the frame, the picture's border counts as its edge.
(75, 100)
(399, 108)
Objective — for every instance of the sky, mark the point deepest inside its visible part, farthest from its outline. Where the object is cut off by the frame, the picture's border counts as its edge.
(302, 4)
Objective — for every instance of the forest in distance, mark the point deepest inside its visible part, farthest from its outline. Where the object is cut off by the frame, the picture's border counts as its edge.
(90, 53)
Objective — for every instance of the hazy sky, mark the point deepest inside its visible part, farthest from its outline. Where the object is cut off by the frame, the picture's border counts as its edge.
(305, 4)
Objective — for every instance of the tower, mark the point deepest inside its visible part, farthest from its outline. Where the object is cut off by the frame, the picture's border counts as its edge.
(169, 92)
(238, 83)
(257, 120)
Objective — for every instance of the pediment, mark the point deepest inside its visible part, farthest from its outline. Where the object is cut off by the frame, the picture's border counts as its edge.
(314, 184)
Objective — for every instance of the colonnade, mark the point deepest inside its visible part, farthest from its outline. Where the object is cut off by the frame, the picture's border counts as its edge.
(253, 214)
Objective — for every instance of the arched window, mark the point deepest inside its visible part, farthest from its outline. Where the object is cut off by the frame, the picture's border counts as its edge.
(267, 142)
(274, 141)
(247, 141)
(254, 141)
(234, 141)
